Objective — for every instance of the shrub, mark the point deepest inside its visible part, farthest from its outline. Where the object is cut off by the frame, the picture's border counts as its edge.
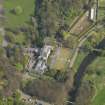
(18, 10)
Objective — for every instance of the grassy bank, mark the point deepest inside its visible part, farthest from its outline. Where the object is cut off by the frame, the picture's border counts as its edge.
(96, 74)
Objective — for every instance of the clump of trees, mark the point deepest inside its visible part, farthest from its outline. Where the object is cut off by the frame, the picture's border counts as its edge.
(12, 100)
(57, 75)
(17, 10)
(9, 77)
(51, 15)
(49, 91)
(84, 94)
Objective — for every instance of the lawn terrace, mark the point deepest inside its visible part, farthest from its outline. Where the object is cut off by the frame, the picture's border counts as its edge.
(59, 59)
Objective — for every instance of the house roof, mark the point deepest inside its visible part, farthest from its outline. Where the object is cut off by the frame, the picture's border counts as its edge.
(40, 67)
(46, 51)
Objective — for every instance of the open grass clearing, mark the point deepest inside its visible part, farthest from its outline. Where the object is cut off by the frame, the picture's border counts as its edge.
(99, 98)
(101, 14)
(59, 59)
(96, 74)
(79, 60)
(20, 38)
(13, 20)
(102, 3)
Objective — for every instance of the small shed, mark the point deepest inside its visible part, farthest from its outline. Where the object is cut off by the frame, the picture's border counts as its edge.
(93, 13)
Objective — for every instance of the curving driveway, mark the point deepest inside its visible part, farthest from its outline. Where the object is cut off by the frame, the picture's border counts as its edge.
(77, 50)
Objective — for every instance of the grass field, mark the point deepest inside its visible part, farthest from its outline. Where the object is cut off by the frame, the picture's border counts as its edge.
(59, 59)
(79, 60)
(13, 20)
(100, 98)
(20, 38)
(101, 14)
(97, 76)
(102, 3)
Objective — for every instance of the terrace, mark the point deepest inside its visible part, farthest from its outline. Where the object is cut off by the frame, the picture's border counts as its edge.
(82, 25)
(59, 59)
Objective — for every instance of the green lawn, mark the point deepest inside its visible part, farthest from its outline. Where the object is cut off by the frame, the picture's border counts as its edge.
(100, 98)
(59, 61)
(21, 38)
(79, 60)
(101, 14)
(13, 20)
(102, 3)
(97, 76)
